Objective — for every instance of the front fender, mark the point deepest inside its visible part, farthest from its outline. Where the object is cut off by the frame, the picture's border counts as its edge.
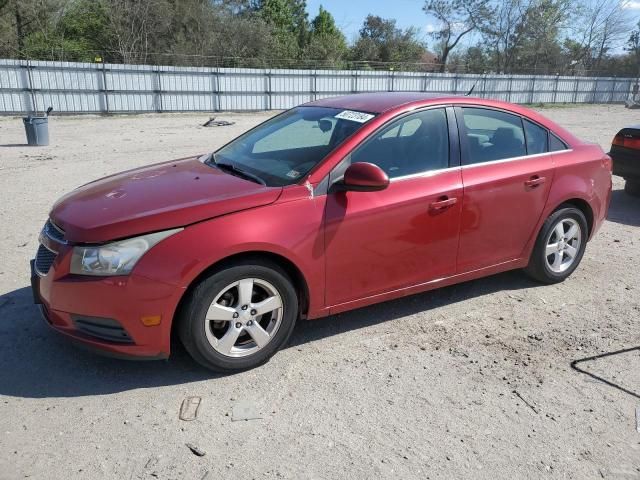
(291, 229)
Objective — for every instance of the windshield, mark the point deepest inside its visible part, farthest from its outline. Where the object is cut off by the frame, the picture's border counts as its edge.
(284, 149)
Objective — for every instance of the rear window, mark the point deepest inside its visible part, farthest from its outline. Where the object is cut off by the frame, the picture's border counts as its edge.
(536, 138)
(555, 144)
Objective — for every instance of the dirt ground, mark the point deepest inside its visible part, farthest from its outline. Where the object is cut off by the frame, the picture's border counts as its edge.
(470, 381)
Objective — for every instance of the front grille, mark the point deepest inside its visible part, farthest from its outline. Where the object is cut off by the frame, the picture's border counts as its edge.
(54, 232)
(44, 260)
(103, 328)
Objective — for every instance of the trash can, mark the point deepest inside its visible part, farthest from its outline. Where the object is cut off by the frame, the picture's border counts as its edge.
(37, 129)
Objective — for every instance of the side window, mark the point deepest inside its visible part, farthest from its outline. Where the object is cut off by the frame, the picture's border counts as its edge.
(299, 134)
(536, 138)
(412, 144)
(555, 144)
(492, 135)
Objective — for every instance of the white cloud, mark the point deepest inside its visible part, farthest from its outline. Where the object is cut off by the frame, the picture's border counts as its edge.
(456, 27)
(631, 5)
(430, 28)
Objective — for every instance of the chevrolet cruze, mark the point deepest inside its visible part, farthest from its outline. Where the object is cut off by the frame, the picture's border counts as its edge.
(333, 205)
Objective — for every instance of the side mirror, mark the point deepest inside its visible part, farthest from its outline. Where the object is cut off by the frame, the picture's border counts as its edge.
(364, 177)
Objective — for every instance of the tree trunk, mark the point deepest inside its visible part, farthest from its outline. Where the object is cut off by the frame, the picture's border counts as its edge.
(19, 29)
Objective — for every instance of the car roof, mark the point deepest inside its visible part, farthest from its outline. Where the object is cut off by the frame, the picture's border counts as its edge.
(377, 102)
(380, 102)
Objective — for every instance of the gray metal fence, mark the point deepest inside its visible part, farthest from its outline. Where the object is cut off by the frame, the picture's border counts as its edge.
(28, 86)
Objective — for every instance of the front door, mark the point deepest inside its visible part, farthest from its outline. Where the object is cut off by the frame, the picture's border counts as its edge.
(406, 234)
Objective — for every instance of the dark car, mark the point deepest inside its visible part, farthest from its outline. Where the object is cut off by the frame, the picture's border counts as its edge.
(625, 152)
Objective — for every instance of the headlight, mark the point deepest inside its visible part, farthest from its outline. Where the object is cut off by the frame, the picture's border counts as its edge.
(117, 258)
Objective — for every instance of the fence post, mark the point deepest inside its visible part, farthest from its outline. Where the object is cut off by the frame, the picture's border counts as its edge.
(269, 92)
(594, 89)
(354, 81)
(424, 82)
(533, 89)
(509, 88)
(390, 82)
(105, 90)
(158, 89)
(575, 90)
(613, 89)
(217, 104)
(34, 104)
(314, 85)
(455, 83)
(555, 88)
(484, 85)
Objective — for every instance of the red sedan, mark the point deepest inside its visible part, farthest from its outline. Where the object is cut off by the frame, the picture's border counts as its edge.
(330, 206)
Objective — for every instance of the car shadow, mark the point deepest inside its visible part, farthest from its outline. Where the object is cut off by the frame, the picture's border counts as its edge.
(38, 363)
(624, 209)
(14, 145)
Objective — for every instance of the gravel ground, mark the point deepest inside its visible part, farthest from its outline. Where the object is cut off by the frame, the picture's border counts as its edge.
(470, 381)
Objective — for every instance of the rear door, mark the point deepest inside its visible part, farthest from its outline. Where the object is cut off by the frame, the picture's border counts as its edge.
(506, 173)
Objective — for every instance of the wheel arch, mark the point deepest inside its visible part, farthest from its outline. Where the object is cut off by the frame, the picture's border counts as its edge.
(297, 277)
(584, 207)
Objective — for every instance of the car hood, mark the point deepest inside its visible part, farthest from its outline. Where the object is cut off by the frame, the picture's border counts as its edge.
(153, 198)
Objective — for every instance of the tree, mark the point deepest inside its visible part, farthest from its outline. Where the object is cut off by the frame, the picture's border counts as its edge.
(136, 27)
(20, 19)
(633, 47)
(499, 33)
(602, 26)
(326, 41)
(288, 18)
(381, 41)
(456, 19)
(537, 49)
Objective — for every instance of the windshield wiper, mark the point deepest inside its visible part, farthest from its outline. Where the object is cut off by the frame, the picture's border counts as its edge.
(232, 169)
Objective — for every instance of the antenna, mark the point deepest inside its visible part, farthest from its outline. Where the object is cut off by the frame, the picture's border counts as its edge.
(471, 90)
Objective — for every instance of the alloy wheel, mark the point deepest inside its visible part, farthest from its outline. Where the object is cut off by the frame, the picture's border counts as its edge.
(244, 317)
(563, 245)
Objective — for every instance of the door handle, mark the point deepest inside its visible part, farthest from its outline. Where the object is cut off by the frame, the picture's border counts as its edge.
(534, 181)
(445, 202)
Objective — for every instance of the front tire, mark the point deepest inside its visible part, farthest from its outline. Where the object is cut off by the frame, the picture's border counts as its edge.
(559, 247)
(239, 317)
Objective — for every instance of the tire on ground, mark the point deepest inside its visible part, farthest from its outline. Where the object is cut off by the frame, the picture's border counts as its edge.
(538, 268)
(191, 323)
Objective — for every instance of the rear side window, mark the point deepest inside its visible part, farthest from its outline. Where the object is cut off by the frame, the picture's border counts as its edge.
(555, 144)
(492, 135)
(536, 138)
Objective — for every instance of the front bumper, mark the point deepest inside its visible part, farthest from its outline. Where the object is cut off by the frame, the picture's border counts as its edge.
(66, 300)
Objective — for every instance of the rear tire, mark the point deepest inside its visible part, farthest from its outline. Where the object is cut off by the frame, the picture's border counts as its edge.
(559, 247)
(632, 187)
(238, 318)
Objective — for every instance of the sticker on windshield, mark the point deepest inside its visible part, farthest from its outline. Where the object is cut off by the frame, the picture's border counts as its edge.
(359, 117)
(293, 174)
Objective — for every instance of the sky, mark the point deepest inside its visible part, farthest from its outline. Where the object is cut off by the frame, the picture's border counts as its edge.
(349, 14)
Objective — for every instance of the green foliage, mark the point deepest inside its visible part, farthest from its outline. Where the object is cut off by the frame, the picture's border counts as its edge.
(506, 36)
(326, 41)
(456, 19)
(381, 41)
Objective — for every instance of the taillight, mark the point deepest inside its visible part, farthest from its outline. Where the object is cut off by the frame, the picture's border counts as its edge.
(627, 141)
